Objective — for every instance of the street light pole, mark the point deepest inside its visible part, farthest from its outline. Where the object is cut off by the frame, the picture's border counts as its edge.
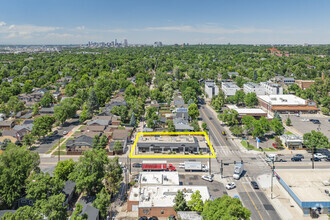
(273, 168)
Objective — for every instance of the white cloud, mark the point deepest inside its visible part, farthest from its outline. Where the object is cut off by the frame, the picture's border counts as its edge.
(58, 35)
(80, 28)
(2, 23)
(205, 29)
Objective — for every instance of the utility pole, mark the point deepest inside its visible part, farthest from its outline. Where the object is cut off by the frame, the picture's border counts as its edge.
(273, 168)
(221, 169)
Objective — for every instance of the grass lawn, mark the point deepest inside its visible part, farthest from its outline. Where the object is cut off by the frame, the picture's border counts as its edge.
(51, 149)
(288, 133)
(61, 153)
(251, 147)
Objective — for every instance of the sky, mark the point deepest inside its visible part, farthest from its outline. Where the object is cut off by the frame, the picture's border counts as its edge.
(168, 21)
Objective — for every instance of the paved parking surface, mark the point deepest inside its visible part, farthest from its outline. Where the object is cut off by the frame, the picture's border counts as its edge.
(307, 126)
(216, 188)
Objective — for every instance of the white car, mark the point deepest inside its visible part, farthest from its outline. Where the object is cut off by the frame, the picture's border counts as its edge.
(207, 178)
(231, 185)
(65, 132)
(305, 119)
(320, 156)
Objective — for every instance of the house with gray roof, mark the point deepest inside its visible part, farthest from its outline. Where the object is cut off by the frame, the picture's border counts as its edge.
(23, 126)
(68, 191)
(46, 111)
(99, 122)
(7, 124)
(79, 144)
(92, 212)
(181, 124)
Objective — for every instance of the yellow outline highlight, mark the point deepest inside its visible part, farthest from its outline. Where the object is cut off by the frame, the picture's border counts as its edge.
(172, 156)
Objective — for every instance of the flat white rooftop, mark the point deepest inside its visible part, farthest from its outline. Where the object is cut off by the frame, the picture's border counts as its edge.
(282, 99)
(246, 110)
(307, 184)
(159, 178)
(163, 196)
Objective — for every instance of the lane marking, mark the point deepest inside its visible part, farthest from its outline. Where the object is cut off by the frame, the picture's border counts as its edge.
(215, 129)
(252, 201)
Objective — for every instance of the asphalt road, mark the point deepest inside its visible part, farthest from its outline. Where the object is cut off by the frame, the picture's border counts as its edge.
(255, 201)
(48, 142)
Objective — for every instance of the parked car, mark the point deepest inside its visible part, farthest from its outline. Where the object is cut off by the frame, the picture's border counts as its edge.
(231, 185)
(295, 158)
(55, 132)
(65, 132)
(320, 156)
(207, 178)
(143, 218)
(316, 122)
(316, 159)
(300, 155)
(223, 133)
(254, 185)
(153, 218)
(137, 165)
(305, 119)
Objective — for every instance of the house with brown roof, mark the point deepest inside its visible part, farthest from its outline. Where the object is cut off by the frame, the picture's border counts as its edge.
(7, 124)
(95, 128)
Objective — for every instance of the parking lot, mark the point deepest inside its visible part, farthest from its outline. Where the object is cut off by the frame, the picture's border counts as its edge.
(307, 126)
(216, 189)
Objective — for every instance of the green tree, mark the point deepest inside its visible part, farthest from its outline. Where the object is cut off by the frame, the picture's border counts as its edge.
(265, 124)
(239, 97)
(47, 100)
(251, 99)
(195, 125)
(225, 208)
(27, 88)
(76, 214)
(102, 202)
(325, 110)
(28, 139)
(204, 126)
(170, 125)
(15, 105)
(248, 120)
(193, 111)
(92, 101)
(36, 108)
(53, 207)
(258, 129)
(278, 142)
(168, 93)
(103, 142)
(189, 93)
(151, 123)
(42, 125)
(133, 120)
(89, 171)
(85, 114)
(42, 185)
(196, 202)
(157, 95)
(230, 117)
(118, 146)
(315, 140)
(113, 176)
(277, 126)
(288, 122)
(63, 169)
(16, 165)
(25, 212)
(180, 202)
(277, 116)
(236, 130)
(66, 110)
(218, 101)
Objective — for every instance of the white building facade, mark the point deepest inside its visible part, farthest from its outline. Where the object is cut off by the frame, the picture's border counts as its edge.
(272, 88)
(229, 88)
(211, 89)
(254, 87)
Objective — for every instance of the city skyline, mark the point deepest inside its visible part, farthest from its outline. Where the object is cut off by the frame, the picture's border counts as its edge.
(210, 22)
